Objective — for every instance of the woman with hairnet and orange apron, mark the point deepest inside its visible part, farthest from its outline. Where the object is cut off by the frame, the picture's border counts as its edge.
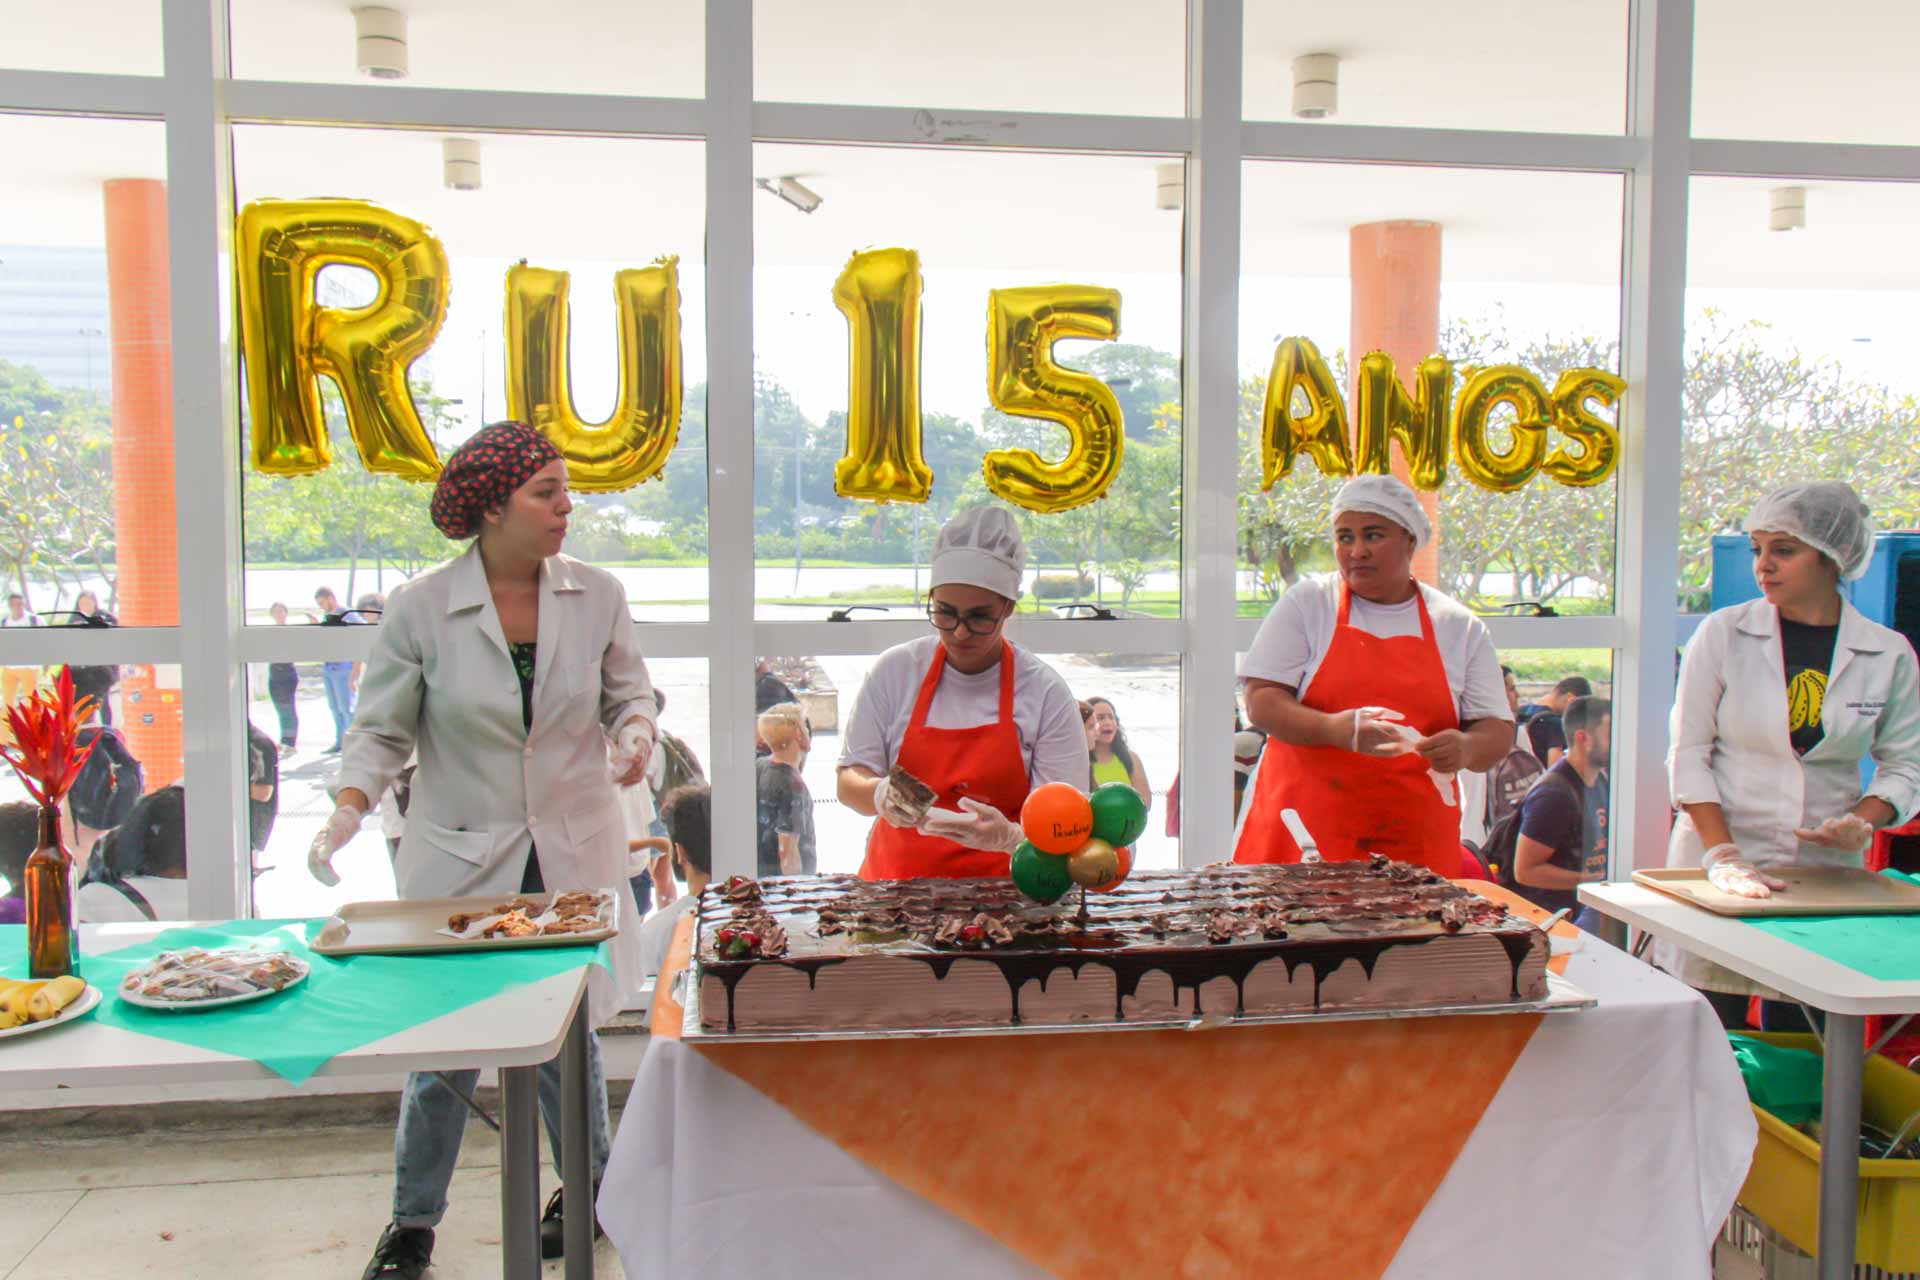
(1374, 690)
(975, 718)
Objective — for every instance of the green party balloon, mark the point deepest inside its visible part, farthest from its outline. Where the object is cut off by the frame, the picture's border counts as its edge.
(1041, 876)
(1119, 815)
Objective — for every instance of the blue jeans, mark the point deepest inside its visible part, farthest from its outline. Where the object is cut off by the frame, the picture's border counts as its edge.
(433, 1120)
(338, 677)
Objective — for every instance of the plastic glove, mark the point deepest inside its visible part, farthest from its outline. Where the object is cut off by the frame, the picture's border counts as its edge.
(1730, 873)
(891, 808)
(982, 827)
(1848, 833)
(1378, 731)
(632, 749)
(342, 826)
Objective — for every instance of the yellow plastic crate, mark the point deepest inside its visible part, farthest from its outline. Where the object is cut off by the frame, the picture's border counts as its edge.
(1783, 1186)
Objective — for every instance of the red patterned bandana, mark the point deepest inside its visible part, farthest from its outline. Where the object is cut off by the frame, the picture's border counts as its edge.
(483, 473)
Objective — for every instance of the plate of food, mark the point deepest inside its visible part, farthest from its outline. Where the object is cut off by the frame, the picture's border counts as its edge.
(27, 1007)
(194, 980)
(423, 926)
(576, 912)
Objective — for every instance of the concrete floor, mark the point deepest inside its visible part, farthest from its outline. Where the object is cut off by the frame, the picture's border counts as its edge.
(249, 1194)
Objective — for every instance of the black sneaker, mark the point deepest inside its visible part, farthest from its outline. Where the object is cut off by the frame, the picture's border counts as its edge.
(553, 1231)
(402, 1254)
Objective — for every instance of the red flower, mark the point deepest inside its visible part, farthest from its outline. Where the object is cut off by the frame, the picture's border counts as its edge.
(46, 727)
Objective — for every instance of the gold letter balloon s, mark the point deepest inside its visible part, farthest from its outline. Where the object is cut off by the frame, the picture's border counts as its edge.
(1023, 380)
(633, 444)
(289, 341)
(879, 293)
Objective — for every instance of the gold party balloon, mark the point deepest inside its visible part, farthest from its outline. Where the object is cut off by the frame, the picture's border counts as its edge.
(1094, 865)
(634, 442)
(1384, 413)
(1322, 432)
(288, 341)
(1599, 439)
(879, 293)
(1486, 388)
(1023, 380)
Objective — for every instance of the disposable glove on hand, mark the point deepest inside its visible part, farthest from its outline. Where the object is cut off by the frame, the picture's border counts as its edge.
(1730, 873)
(982, 827)
(632, 750)
(1378, 731)
(1848, 833)
(891, 808)
(342, 826)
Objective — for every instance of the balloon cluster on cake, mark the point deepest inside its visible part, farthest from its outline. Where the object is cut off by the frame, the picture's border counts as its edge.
(1077, 839)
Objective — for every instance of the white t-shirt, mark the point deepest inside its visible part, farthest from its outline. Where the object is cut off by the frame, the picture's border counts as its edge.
(1046, 715)
(1298, 630)
(656, 932)
(99, 903)
(27, 619)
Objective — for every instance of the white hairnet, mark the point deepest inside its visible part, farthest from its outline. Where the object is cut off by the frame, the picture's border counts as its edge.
(1827, 515)
(1386, 496)
(980, 548)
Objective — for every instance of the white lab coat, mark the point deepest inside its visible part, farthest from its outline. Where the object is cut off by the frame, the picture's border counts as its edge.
(1730, 745)
(441, 682)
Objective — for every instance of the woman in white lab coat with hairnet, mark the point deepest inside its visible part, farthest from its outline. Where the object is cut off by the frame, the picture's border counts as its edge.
(1780, 700)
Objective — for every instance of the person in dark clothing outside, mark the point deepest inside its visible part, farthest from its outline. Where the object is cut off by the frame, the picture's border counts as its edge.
(1563, 821)
(1545, 733)
(19, 833)
(283, 686)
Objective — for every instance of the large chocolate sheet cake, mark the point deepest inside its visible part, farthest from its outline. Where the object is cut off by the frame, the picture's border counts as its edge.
(837, 953)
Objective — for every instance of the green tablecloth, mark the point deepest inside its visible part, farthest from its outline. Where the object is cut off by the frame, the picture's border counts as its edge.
(342, 1005)
(1883, 947)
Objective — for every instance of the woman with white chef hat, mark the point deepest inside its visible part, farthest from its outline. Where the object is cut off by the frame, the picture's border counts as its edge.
(1780, 700)
(508, 669)
(1374, 690)
(975, 717)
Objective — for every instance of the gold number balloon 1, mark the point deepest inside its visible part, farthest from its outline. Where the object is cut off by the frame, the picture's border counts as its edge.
(633, 444)
(1321, 432)
(1486, 389)
(1599, 439)
(1384, 413)
(879, 293)
(1023, 380)
(288, 341)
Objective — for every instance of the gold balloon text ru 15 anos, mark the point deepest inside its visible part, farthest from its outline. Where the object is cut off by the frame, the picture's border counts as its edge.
(289, 341)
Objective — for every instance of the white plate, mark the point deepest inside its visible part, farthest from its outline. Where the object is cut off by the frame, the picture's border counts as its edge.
(88, 999)
(218, 1002)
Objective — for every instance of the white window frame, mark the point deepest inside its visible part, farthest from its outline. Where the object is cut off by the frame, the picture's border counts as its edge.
(198, 104)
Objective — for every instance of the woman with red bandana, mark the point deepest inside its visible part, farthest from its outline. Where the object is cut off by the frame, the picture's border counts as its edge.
(1374, 690)
(506, 669)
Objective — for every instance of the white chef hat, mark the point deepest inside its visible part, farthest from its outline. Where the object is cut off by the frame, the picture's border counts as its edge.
(980, 548)
(1827, 515)
(1387, 496)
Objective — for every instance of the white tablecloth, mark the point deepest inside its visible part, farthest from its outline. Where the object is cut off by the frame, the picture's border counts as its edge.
(1613, 1150)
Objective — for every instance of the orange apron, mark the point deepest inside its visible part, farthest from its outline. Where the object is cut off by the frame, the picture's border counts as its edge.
(1356, 805)
(985, 763)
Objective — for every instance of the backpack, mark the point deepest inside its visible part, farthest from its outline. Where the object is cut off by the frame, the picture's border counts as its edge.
(110, 783)
(1508, 783)
(679, 766)
(1504, 838)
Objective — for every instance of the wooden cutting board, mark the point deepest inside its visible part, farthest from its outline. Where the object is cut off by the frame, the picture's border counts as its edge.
(1812, 891)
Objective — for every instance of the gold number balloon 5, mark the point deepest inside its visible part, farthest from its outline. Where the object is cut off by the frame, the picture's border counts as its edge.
(1022, 379)
(1322, 431)
(879, 293)
(1384, 412)
(633, 444)
(288, 341)
(1485, 389)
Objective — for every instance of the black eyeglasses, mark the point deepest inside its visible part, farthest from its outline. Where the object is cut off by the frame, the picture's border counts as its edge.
(977, 623)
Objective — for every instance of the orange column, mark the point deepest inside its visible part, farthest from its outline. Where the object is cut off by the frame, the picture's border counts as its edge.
(145, 539)
(1395, 273)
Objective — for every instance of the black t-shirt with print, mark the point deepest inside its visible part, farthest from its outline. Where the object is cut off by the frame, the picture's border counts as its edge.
(1807, 653)
(1570, 818)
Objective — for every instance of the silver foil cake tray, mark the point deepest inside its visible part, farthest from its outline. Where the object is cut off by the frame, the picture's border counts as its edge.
(1562, 997)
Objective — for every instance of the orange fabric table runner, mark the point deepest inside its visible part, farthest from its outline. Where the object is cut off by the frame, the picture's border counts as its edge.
(1296, 1149)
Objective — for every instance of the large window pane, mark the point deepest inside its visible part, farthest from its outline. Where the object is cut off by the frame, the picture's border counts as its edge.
(588, 206)
(111, 37)
(1558, 66)
(979, 222)
(997, 55)
(1800, 359)
(87, 496)
(1484, 267)
(1834, 72)
(652, 50)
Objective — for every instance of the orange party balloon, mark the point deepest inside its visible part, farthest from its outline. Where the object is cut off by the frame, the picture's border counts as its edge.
(1125, 853)
(1057, 818)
